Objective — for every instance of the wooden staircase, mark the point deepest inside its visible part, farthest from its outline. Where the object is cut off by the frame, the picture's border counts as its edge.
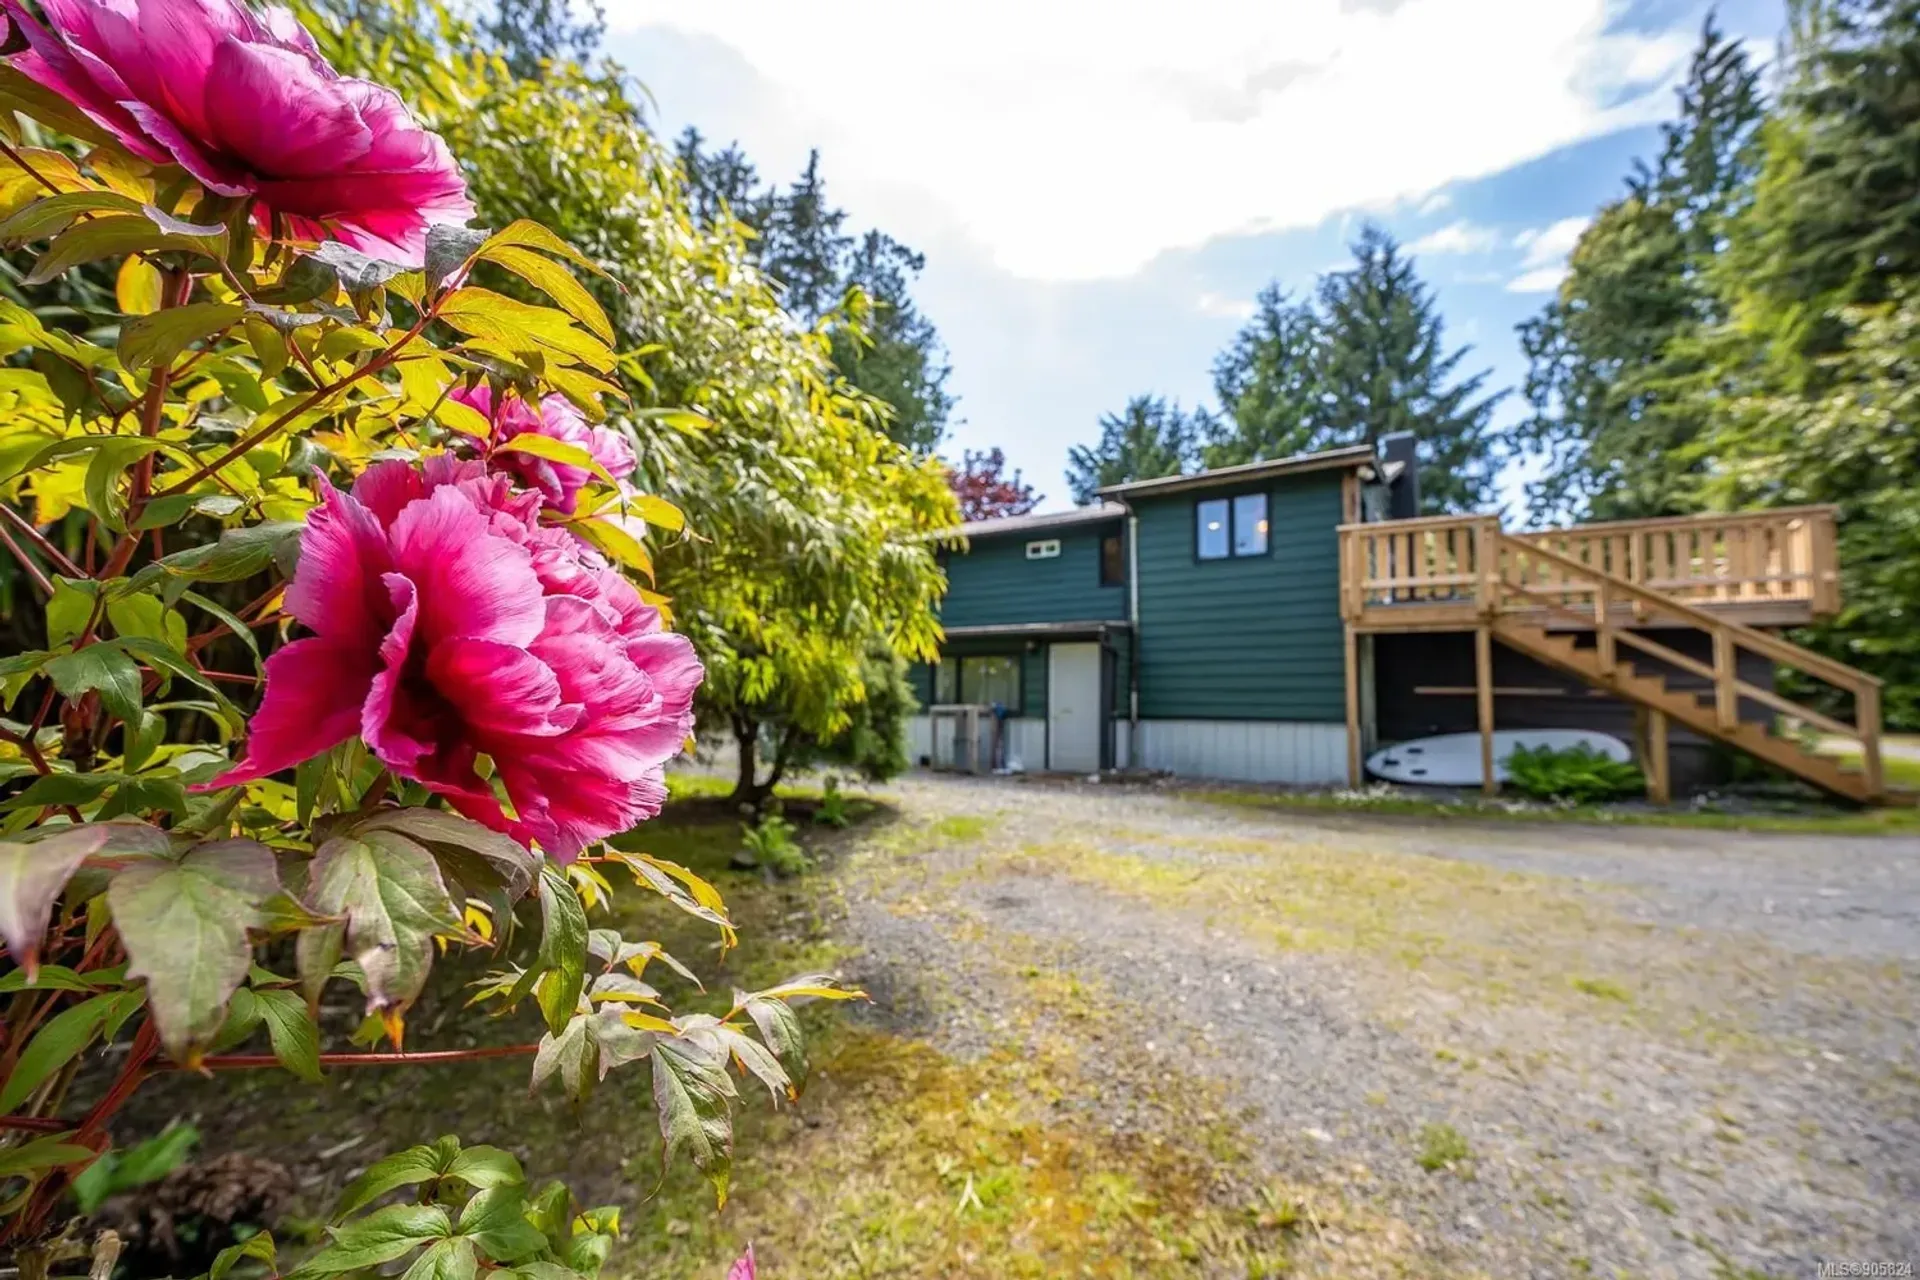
(1527, 589)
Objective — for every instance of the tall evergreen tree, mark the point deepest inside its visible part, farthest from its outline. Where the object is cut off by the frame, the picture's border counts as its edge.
(890, 349)
(1267, 383)
(1609, 360)
(529, 32)
(1383, 368)
(1148, 439)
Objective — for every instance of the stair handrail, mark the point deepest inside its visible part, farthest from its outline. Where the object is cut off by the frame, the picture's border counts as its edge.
(1726, 633)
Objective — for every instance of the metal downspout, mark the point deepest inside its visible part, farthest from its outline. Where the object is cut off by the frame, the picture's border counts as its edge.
(1133, 644)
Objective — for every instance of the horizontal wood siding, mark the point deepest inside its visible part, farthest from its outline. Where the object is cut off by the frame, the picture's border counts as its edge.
(1244, 639)
(994, 584)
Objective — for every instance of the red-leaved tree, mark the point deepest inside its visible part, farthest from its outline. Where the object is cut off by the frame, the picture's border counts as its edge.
(985, 491)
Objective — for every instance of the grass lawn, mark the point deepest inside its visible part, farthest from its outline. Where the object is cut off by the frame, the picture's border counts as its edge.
(897, 1161)
(1834, 821)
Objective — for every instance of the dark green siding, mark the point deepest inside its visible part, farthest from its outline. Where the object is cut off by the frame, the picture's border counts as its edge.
(994, 584)
(1033, 670)
(1244, 639)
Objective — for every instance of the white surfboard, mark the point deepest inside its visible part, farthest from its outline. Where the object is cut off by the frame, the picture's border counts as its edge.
(1453, 759)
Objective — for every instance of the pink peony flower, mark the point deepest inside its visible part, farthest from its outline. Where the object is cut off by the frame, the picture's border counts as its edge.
(558, 482)
(241, 99)
(743, 1268)
(447, 624)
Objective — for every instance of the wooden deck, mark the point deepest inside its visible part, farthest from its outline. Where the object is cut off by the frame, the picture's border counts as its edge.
(1764, 568)
(1548, 594)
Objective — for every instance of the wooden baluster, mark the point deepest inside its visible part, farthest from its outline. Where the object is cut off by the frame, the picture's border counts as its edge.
(1483, 690)
(1603, 625)
(1866, 715)
(1659, 777)
(1726, 695)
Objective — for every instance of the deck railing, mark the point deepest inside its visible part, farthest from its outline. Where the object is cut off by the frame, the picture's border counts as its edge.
(1783, 557)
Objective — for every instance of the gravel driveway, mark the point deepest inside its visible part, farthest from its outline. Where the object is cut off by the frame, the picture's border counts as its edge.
(1532, 1050)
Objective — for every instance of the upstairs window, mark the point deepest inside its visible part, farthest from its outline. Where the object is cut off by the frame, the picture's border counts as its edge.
(1214, 540)
(1226, 527)
(1250, 524)
(1113, 561)
(1046, 550)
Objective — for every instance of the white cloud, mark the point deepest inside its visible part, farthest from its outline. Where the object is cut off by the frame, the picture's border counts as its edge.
(1543, 263)
(1456, 237)
(1220, 306)
(1434, 203)
(1077, 139)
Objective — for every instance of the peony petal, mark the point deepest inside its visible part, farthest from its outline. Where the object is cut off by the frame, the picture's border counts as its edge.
(385, 488)
(271, 110)
(565, 813)
(499, 689)
(314, 691)
(336, 590)
(472, 581)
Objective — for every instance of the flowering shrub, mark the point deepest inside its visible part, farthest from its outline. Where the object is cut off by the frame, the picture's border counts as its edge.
(312, 449)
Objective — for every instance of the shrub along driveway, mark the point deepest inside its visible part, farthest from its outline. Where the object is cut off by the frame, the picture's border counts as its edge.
(1496, 1050)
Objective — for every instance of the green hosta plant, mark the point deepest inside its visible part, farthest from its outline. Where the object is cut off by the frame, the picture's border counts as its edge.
(336, 660)
(1575, 775)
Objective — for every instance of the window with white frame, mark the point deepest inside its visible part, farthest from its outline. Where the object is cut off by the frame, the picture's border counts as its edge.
(1230, 527)
(1043, 550)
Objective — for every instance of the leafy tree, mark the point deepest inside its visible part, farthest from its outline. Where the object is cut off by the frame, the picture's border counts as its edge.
(530, 33)
(985, 491)
(811, 521)
(881, 342)
(1608, 369)
(1148, 439)
(1383, 368)
(1268, 384)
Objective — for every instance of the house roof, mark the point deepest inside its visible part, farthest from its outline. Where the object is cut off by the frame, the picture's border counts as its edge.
(1355, 455)
(1099, 514)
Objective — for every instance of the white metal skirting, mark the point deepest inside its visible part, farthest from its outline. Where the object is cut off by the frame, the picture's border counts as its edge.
(1305, 754)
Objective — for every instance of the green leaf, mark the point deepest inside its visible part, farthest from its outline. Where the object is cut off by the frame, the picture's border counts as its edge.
(562, 957)
(64, 1037)
(291, 1031)
(445, 1260)
(51, 977)
(104, 668)
(238, 629)
(753, 1057)
(691, 1090)
(111, 458)
(381, 1236)
(142, 738)
(569, 1055)
(32, 876)
(496, 1219)
(476, 856)
(52, 214)
(554, 451)
(185, 926)
(158, 339)
(394, 902)
(401, 1169)
(521, 327)
(448, 249)
(240, 553)
(65, 788)
(527, 234)
(149, 617)
(49, 1152)
(258, 1247)
(113, 236)
(485, 1167)
(16, 670)
(69, 608)
(557, 283)
(356, 272)
(779, 1026)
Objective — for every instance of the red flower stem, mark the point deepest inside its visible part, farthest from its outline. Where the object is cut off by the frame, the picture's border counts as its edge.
(32, 534)
(33, 1124)
(257, 438)
(178, 288)
(34, 756)
(434, 1057)
(26, 562)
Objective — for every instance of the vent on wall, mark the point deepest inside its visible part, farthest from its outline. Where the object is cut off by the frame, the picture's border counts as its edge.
(1043, 550)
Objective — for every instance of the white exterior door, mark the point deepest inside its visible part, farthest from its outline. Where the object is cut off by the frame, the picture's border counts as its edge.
(1073, 708)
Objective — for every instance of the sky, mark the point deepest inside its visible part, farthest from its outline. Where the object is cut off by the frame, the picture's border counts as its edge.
(1100, 188)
